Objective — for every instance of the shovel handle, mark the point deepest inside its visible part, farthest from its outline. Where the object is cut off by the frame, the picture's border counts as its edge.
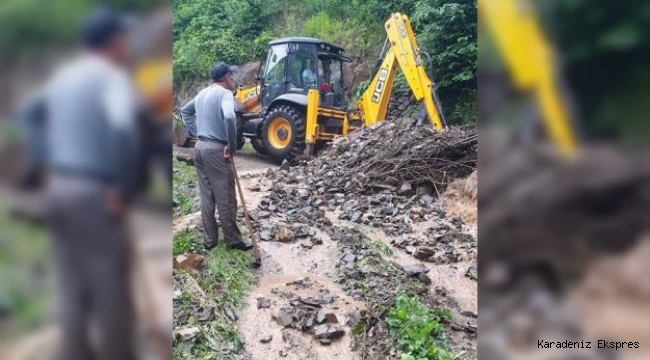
(256, 250)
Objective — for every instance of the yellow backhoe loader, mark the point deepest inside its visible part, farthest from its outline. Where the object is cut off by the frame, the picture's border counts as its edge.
(298, 103)
(532, 65)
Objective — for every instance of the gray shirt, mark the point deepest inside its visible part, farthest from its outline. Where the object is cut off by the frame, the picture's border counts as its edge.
(90, 125)
(211, 114)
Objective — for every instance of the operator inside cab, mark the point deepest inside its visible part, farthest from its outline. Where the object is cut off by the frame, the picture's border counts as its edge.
(309, 74)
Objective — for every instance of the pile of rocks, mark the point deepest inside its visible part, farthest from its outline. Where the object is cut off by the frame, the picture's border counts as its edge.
(309, 196)
(311, 316)
(392, 156)
(441, 244)
(399, 103)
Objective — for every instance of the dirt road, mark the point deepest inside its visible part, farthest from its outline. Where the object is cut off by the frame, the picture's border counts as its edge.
(300, 269)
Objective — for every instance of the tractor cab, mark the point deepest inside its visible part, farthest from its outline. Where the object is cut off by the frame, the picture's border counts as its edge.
(297, 64)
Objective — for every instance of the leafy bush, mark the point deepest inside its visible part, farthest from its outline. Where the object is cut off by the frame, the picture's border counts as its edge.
(419, 330)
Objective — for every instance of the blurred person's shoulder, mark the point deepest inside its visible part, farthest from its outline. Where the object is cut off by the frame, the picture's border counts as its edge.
(86, 67)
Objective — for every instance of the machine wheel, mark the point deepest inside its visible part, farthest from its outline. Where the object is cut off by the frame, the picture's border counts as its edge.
(241, 140)
(283, 133)
(258, 145)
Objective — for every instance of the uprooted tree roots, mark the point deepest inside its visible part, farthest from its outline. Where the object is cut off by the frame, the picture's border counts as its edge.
(389, 154)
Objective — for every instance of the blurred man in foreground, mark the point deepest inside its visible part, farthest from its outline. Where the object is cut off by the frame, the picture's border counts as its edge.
(91, 150)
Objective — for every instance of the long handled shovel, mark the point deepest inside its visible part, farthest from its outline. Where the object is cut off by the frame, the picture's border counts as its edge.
(253, 236)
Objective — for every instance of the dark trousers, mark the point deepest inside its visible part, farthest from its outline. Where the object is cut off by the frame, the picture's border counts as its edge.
(91, 250)
(217, 187)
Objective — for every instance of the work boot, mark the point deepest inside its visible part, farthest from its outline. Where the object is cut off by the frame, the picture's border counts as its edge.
(209, 246)
(240, 246)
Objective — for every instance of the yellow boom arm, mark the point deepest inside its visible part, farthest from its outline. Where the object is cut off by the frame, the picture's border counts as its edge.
(530, 60)
(405, 53)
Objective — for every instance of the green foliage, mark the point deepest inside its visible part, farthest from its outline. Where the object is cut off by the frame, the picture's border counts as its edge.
(419, 330)
(184, 242)
(447, 31)
(187, 197)
(29, 26)
(604, 51)
(464, 109)
(206, 31)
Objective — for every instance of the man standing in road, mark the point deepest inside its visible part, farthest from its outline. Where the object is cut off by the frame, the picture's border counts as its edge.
(210, 116)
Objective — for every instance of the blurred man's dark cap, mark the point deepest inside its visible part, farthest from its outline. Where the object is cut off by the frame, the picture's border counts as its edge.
(221, 69)
(102, 26)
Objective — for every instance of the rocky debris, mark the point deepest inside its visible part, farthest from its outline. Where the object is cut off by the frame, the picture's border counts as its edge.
(255, 188)
(405, 190)
(283, 234)
(418, 271)
(326, 297)
(378, 283)
(442, 243)
(331, 318)
(230, 313)
(263, 303)
(387, 176)
(301, 283)
(284, 317)
(398, 104)
(471, 273)
(188, 333)
(327, 332)
(266, 236)
(266, 339)
(307, 315)
(188, 261)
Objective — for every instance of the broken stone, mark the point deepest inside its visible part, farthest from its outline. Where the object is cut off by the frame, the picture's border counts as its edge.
(423, 253)
(284, 318)
(470, 314)
(415, 269)
(188, 261)
(229, 313)
(331, 318)
(310, 302)
(326, 298)
(391, 181)
(405, 190)
(356, 217)
(424, 278)
(284, 235)
(349, 257)
(327, 331)
(325, 341)
(266, 236)
(353, 318)
(303, 232)
(263, 303)
(188, 333)
(425, 189)
(266, 339)
(427, 200)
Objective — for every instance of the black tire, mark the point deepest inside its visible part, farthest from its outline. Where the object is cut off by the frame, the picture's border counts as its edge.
(241, 140)
(296, 142)
(258, 145)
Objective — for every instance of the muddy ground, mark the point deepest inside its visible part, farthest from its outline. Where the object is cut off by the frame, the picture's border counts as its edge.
(345, 277)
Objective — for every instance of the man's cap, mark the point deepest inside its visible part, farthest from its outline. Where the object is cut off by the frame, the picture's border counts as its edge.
(102, 26)
(221, 69)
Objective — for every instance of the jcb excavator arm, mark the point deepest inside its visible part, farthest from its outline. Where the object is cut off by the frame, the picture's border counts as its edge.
(531, 62)
(401, 50)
